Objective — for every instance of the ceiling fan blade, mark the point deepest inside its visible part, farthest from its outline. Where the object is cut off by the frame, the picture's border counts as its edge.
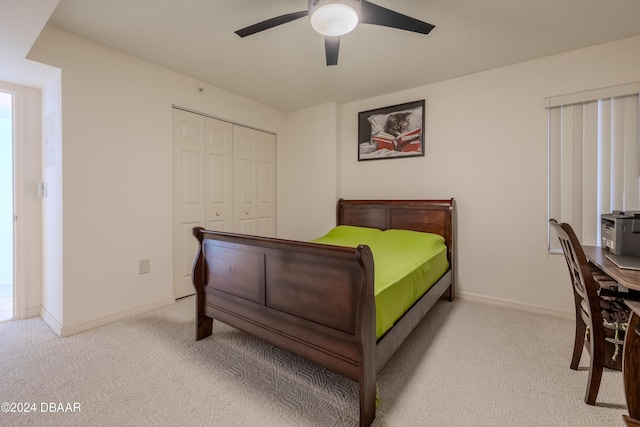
(378, 15)
(331, 47)
(270, 23)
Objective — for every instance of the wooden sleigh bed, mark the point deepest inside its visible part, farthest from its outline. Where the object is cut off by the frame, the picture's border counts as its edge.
(317, 300)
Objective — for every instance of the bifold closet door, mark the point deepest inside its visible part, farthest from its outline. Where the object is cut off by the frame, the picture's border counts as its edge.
(254, 182)
(266, 184)
(202, 188)
(224, 179)
(188, 195)
(219, 175)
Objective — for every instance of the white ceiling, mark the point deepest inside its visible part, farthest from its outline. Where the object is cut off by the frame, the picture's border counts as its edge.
(285, 66)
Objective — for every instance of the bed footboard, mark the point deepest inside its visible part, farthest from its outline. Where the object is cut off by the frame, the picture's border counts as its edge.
(316, 301)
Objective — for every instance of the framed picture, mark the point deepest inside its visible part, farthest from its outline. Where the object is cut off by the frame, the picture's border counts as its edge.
(391, 132)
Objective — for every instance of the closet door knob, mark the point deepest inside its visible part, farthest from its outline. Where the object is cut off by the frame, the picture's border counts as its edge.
(246, 212)
(217, 214)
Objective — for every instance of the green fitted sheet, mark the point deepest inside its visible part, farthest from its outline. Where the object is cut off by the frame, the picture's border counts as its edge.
(407, 263)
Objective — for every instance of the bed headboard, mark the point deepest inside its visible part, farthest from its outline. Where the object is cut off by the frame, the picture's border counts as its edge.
(427, 216)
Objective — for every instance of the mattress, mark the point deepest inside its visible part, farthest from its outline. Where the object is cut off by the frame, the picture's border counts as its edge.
(406, 264)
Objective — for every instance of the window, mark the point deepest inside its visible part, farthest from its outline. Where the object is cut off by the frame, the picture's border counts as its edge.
(594, 158)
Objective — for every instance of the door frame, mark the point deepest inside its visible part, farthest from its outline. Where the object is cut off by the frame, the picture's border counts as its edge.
(19, 297)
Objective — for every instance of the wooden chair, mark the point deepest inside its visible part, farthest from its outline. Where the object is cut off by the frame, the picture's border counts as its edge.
(587, 303)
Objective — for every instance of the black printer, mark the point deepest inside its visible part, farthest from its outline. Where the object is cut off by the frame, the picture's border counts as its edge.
(621, 232)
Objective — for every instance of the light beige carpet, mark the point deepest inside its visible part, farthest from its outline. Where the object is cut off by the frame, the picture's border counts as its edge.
(466, 364)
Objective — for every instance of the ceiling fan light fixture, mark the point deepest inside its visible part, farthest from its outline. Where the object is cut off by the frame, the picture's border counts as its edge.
(334, 18)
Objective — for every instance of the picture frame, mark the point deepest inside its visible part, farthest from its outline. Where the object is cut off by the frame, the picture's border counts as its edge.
(392, 132)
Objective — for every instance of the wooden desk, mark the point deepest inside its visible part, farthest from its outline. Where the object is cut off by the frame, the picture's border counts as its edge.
(631, 356)
(627, 278)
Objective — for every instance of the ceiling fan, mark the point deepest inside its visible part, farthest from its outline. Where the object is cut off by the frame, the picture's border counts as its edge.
(334, 18)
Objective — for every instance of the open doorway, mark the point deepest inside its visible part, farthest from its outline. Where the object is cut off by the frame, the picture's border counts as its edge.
(6, 207)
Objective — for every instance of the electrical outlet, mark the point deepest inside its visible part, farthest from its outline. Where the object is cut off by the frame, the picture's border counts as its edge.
(144, 266)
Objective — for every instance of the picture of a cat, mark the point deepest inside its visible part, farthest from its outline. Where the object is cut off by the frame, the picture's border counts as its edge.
(393, 131)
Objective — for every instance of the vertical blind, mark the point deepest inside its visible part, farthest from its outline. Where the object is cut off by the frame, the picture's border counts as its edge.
(594, 160)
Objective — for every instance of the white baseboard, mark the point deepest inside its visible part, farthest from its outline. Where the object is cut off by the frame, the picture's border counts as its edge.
(53, 323)
(67, 330)
(515, 305)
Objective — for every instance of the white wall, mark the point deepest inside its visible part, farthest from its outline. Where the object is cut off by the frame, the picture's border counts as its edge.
(116, 180)
(52, 218)
(486, 146)
(310, 172)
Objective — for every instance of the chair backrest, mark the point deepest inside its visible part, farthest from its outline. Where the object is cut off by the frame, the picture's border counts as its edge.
(585, 287)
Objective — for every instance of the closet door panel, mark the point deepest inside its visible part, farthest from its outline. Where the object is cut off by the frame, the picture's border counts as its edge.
(266, 184)
(244, 179)
(219, 175)
(188, 195)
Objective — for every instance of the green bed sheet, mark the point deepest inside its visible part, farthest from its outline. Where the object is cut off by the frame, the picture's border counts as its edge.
(407, 263)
